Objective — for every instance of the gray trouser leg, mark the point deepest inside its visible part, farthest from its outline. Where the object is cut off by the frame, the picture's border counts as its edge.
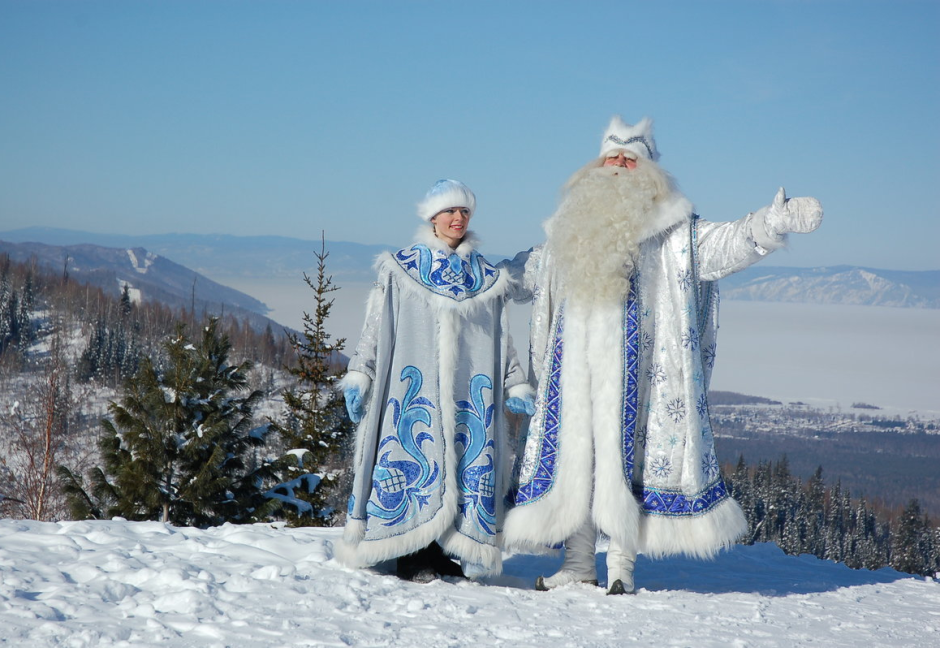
(620, 564)
(579, 565)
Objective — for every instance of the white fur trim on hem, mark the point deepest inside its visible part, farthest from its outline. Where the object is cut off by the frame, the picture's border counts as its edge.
(366, 553)
(697, 537)
(615, 510)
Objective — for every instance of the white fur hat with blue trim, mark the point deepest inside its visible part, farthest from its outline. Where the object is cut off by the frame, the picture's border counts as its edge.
(635, 139)
(444, 195)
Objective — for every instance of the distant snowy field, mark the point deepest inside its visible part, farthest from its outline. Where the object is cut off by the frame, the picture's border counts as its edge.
(139, 584)
(824, 355)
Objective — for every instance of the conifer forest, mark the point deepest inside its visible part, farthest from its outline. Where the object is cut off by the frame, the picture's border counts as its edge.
(111, 406)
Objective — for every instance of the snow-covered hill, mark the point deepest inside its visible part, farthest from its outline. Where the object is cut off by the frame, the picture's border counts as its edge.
(117, 583)
(225, 255)
(835, 285)
(152, 276)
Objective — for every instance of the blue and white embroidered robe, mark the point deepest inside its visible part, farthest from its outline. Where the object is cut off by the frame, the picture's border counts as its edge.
(621, 433)
(432, 457)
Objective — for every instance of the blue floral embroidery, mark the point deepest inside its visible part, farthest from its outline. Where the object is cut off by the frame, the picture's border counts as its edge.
(675, 504)
(544, 476)
(475, 481)
(448, 275)
(631, 367)
(400, 488)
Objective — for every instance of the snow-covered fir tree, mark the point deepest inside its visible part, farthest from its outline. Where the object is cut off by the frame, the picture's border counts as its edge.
(911, 541)
(113, 350)
(808, 518)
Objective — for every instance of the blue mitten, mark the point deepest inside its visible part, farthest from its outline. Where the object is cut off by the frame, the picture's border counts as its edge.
(524, 405)
(353, 403)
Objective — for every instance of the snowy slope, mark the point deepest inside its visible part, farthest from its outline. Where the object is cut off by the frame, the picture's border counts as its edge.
(836, 285)
(83, 584)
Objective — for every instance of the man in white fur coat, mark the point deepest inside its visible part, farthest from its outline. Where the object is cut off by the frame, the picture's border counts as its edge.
(623, 335)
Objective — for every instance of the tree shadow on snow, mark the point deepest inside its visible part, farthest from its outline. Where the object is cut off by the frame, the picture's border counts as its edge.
(759, 569)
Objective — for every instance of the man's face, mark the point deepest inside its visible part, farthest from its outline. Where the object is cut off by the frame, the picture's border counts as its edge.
(620, 159)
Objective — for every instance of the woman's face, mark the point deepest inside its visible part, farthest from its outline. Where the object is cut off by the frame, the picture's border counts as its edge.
(450, 225)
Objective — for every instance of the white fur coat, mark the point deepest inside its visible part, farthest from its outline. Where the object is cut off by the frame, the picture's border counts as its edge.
(435, 362)
(621, 431)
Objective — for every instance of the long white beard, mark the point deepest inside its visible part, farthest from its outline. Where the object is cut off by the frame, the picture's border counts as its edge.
(595, 235)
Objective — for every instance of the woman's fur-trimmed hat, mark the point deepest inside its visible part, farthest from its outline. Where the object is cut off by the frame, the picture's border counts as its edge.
(444, 195)
(635, 139)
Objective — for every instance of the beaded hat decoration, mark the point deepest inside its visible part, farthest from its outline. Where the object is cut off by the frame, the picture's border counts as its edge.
(444, 195)
(634, 139)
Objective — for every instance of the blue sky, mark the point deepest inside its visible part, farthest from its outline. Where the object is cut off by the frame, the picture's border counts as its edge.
(288, 118)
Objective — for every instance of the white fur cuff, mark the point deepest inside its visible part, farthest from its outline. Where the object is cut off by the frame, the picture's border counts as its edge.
(522, 390)
(356, 379)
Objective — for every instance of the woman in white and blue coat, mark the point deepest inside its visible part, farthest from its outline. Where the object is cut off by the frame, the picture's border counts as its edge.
(429, 385)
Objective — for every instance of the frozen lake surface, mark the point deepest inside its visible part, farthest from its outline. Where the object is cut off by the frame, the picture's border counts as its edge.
(824, 355)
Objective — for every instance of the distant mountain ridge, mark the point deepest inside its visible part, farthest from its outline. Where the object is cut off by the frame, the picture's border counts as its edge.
(224, 255)
(847, 285)
(150, 277)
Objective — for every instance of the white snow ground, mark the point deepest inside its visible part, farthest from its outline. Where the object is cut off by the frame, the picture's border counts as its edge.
(137, 584)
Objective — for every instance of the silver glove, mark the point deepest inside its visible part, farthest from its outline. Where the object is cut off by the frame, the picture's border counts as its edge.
(784, 215)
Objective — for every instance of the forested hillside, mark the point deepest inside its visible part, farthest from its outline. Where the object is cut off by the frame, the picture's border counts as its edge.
(72, 356)
(888, 459)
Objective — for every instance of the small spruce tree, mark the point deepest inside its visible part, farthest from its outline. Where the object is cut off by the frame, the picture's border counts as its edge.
(180, 445)
(910, 542)
(315, 426)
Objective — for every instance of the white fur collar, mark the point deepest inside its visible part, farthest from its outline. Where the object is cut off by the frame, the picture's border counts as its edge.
(674, 209)
(425, 236)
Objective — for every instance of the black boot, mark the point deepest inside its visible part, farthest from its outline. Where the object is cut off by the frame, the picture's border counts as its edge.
(426, 565)
(442, 564)
(416, 567)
